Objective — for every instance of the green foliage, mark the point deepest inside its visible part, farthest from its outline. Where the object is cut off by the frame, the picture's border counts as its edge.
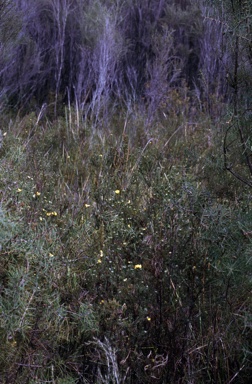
(125, 247)
(235, 18)
(7, 228)
(125, 253)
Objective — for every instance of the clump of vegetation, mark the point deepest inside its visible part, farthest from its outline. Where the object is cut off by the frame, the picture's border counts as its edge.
(125, 239)
(121, 261)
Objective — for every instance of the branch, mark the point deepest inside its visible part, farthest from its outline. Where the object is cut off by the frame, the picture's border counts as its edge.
(229, 167)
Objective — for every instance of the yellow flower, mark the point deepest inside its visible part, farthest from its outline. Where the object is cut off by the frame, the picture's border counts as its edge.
(87, 205)
(51, 255)
(148, 318)
(37, 194)
(19, 190)
(117, 191)
(101, 253)
(138, 266)
(99, 261)
(54, 213)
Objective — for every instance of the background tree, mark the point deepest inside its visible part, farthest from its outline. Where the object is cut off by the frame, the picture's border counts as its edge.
(236, 17)
(100, 54)
(238, 140)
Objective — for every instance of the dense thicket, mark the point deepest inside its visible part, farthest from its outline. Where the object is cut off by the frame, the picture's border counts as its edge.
(125, 254)
(237, 141)
(125, 245)
(98, 53)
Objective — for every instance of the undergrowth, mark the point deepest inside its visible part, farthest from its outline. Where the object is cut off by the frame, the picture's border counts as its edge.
(125, 254)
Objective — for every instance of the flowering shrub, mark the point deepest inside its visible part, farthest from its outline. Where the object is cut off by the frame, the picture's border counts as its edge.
(125, 263)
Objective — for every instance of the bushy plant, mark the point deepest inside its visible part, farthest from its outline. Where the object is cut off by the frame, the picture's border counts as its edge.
(125, 262)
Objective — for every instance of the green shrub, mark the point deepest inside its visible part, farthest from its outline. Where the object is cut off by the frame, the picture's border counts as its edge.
(120, 260)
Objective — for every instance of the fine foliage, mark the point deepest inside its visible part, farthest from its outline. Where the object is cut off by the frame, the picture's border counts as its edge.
(125, 255)
(125, 245)
(103, 54)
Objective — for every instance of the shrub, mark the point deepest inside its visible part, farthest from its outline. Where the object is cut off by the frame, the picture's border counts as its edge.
(124, 262)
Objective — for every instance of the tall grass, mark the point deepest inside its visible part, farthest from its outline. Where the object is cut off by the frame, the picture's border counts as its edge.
(125, 253)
